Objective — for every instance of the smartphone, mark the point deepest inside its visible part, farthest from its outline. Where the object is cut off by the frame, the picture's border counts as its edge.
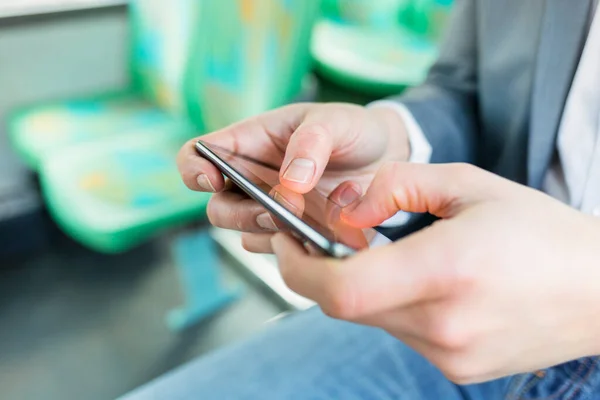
(311, 218)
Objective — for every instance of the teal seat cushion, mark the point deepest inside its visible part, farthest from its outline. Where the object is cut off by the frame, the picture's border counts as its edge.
(159, 44)
(374, 61)
(40, 130)
(111, 195)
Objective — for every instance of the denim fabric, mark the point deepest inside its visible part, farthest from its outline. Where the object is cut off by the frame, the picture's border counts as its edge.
(575, 380)
(309, 356)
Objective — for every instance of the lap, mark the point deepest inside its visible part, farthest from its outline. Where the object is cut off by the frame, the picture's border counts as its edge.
(310, 356)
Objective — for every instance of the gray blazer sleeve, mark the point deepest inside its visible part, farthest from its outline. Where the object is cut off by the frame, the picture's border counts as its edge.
(445, 105)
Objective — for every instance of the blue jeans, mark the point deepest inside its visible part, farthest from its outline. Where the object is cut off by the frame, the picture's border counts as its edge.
(310, 356)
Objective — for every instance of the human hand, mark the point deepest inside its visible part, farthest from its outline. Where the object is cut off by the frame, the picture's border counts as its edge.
(314, 143)
(508, 281)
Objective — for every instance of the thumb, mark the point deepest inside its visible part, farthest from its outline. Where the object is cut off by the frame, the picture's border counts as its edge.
(306, 157)
(323, 130)
(439, 189)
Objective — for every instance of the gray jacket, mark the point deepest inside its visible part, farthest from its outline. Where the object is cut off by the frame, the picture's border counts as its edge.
(496, 94)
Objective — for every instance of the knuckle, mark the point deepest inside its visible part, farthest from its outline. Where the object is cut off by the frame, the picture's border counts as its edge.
(247, 242)
(237, 218)
(403, 193)
(213, 213)
(315, 132)
(461, 272)
(222, 214)
(463, 171)
(450, 333)
(342, 112)
(256, 243)
(442, 283)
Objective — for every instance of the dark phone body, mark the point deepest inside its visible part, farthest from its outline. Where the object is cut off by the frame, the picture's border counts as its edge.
(298, 227)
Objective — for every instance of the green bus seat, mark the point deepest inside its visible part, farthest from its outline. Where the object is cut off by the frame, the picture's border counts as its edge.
(376, 52)
(112, 197)
(252, 56)
(155, 100)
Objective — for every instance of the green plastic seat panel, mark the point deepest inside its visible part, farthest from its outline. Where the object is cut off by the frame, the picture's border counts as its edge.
(425, 17)
(160, 37)
(40, 130)
(374, 13)
(111, 195)
(257, 61)
(372, 60)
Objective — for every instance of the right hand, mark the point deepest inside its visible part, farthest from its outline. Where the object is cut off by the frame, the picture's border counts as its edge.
(505, 282)
(314, 143)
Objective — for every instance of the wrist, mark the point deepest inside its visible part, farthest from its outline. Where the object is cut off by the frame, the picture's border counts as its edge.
(594, 262)
(587, 256)
(393, 125)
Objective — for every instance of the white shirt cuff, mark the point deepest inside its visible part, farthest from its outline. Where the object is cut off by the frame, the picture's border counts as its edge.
(379, 240)
(420, 149)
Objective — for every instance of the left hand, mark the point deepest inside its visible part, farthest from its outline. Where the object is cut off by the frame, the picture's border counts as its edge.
(324, 143)
(508, 281)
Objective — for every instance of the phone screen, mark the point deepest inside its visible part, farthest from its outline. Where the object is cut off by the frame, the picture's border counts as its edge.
(314, 208)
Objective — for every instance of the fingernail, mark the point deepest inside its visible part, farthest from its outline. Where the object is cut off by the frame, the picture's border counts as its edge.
(284, 202)
(265, 221)
(205, 184)
(348, 196)
(348, 209)
(301, 170)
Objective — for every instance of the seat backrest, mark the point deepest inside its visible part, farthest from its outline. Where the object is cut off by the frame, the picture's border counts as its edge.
(248, 56)
(380, 14)
(426, 17)
(161, 38)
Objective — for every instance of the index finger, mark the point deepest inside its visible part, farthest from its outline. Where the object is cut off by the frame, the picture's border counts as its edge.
(198, 173)
(412, 270)
(257, 137)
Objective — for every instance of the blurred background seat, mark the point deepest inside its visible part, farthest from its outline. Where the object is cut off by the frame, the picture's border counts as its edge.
(113, 190)
(159, 40)
(380, 47)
